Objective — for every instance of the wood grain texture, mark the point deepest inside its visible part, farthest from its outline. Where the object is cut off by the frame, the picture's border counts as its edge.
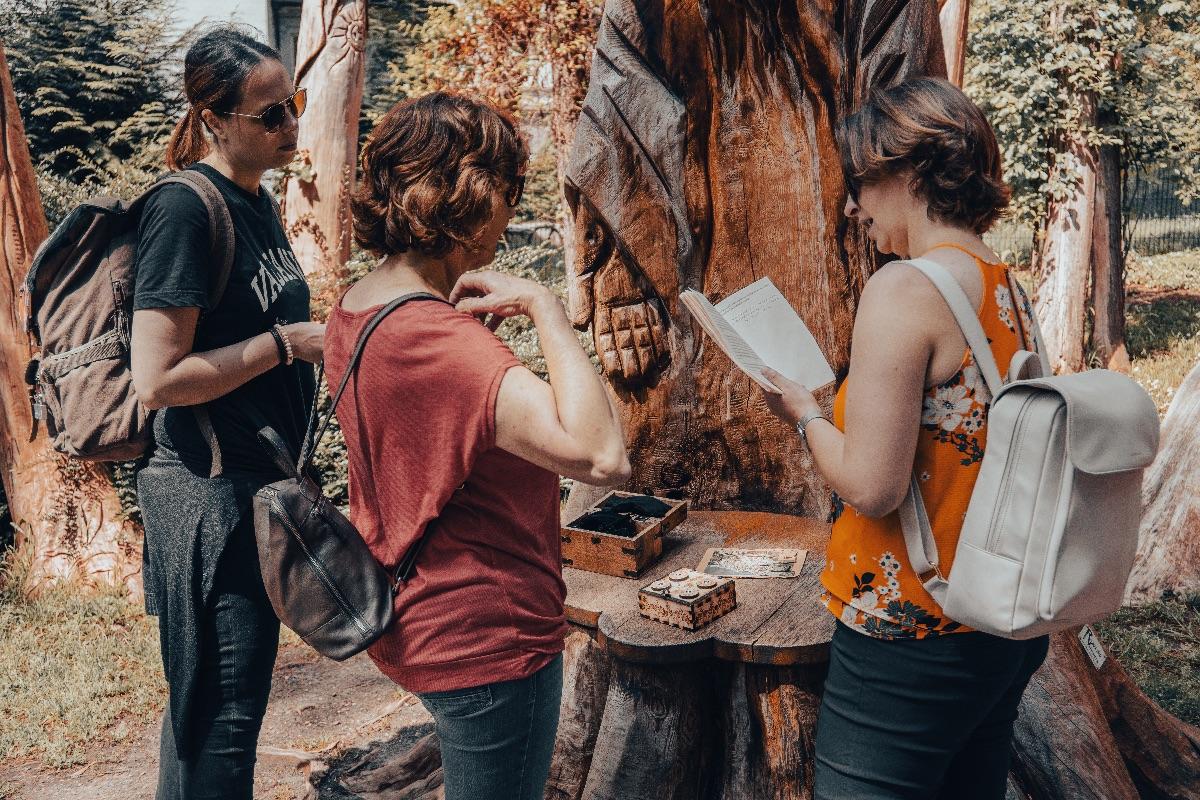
(67, 515)
(954, 17)
(586, 673)
(705, 158)
(777, 621)
(1168, 557)
(330, 65)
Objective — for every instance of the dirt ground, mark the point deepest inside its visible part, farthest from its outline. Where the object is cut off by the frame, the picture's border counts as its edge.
(319, 710)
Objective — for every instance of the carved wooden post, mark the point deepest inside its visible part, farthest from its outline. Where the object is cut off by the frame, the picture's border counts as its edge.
(1169, 551)
(955, 15)
(67, 513)
(329, 58)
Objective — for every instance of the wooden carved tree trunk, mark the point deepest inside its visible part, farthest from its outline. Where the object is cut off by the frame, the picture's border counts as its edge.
(330, 64)
(1169, 549)
(67, 514)
(955, 16)
(705, 159)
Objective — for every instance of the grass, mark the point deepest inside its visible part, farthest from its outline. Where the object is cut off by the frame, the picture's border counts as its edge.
(1159, 645)
(76, 671)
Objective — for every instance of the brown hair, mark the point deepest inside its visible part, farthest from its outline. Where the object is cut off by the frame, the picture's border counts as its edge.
(214, 71)
(928, 126)
(429, 170)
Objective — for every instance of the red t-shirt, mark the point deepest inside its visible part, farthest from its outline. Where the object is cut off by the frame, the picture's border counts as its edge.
(485, 600)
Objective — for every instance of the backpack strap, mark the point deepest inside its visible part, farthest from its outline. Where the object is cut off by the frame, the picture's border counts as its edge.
(223, 243)
(914, 519)
(968, 320)
(220, 227)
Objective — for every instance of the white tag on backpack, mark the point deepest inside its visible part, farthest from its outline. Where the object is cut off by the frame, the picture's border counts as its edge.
(1092, 646)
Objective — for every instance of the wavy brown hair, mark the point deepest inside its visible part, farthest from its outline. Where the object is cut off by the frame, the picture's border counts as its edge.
(430, 169)
(930, 128)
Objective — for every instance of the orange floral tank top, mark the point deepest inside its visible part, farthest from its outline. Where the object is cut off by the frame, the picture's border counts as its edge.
(869, 583)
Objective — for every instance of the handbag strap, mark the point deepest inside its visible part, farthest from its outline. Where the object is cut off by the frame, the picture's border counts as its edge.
(355, 356)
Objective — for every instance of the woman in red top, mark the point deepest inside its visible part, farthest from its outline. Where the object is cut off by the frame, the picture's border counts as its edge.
(448, 435)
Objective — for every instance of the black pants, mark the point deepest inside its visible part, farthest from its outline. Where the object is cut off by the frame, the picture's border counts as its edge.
(239, 641)
(920, 719)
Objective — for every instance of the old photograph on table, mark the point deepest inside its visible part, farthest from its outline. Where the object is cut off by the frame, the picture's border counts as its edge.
(760, 563)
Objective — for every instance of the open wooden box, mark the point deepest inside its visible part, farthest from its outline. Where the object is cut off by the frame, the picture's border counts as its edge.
(614, 554)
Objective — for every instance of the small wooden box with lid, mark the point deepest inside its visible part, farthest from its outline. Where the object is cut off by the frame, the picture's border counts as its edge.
(621, 534)
(687, 599)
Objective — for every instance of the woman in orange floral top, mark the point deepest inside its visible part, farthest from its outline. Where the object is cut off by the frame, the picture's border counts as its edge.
(915, 704)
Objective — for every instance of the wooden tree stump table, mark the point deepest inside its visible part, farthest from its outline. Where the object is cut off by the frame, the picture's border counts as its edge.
(652, 712)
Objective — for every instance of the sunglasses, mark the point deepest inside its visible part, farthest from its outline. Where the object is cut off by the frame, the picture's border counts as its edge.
(274, 115)
(516, 188)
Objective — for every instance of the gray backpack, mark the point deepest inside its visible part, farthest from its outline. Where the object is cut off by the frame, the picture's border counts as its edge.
(1051, 530)
(79, 309)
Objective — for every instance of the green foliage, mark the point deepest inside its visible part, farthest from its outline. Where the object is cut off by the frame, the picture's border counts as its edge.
(530, 57)
(92, 81)
(389, 38)
(1036, 67)
(1159, 644)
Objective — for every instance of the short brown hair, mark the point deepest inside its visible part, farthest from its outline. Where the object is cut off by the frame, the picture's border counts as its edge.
(429, 171)
(928, 126)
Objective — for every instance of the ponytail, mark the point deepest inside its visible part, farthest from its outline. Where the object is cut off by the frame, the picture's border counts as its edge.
(188, 144)
(214, 70)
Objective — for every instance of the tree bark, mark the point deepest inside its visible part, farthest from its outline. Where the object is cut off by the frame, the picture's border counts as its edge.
(330, 65)
(955, 16)
(1108, 265)
(67, 515)
(705, 159)
(1066, 256)
(1168, 556)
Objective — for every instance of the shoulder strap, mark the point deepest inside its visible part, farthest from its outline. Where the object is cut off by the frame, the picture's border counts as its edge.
(968, 321)
(222, 244)
(221, 232)
(351, 365)
(914, 519)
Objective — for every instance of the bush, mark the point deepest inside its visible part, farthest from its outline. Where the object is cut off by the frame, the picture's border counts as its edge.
(94, 81)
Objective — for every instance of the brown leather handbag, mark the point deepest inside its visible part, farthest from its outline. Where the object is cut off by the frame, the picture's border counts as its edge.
(322, 580)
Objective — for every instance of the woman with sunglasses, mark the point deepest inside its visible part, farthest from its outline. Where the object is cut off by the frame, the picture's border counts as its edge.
(455, 448)
(218, 375)
(915, 704)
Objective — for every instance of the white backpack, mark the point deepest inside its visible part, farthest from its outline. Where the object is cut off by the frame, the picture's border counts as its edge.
(1051, 530)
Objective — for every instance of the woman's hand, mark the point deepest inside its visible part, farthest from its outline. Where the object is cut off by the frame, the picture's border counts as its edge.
(498, 294)
(793, 401)
(308, 340)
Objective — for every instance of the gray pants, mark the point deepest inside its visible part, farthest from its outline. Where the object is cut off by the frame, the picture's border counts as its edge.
(920, 719)
(497, 739)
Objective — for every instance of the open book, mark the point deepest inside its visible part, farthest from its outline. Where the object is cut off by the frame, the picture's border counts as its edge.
(757, 328)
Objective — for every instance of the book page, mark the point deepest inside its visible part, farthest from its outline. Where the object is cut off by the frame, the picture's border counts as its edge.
(726, 337)
(767, 323)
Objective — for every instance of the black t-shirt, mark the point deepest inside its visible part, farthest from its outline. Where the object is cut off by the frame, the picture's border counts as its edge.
(266, 287)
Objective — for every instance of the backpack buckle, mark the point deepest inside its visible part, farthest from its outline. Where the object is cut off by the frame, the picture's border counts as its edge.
(927, 575)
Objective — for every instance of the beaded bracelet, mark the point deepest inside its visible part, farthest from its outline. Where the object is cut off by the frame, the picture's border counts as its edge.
(286, 354)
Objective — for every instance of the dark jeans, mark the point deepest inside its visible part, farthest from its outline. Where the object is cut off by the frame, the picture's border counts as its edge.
(239, 642)
(920, 719)
(497, 739)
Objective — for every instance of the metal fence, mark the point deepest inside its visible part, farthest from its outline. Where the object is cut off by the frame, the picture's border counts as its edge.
(1156, 221)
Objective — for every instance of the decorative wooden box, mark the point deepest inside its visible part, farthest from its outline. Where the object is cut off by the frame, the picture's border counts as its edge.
(624, 556)
(687, 599)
